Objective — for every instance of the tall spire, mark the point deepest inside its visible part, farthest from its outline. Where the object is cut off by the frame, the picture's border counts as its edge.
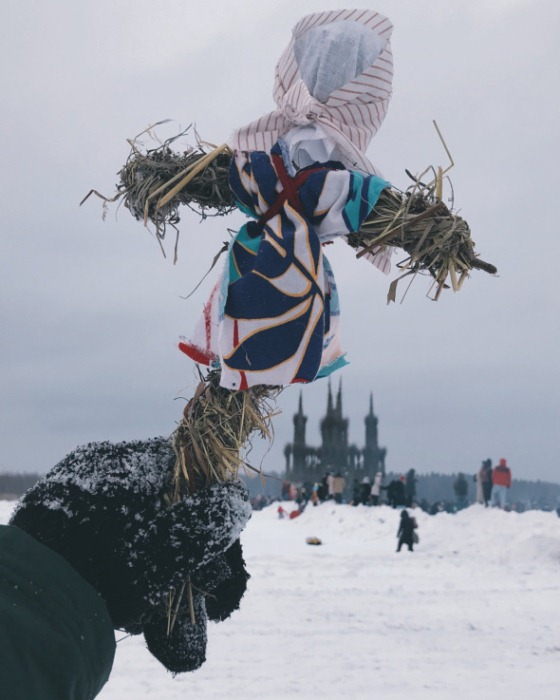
(334, 433)
(339, 399)
(371, 404)
(329, 401)
(299, 425)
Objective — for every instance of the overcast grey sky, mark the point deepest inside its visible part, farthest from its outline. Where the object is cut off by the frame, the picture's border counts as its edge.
(91, 310)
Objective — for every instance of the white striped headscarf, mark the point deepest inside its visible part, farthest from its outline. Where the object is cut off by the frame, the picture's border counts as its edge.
(351, 114)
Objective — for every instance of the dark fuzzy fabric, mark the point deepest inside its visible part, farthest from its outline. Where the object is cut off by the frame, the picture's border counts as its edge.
(185, 648)
(102, 509)
(226, 596)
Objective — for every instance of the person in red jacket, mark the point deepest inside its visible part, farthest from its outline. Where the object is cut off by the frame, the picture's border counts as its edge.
(501, 482)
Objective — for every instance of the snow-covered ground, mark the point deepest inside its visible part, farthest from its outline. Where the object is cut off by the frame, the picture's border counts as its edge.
(474, 612)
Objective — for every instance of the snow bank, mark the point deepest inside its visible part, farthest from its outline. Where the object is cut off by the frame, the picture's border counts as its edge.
(473, 612)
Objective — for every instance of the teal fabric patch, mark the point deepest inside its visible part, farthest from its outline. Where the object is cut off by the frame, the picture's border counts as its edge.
(250, 244)
(363, 196)
(246, 210)
(329, 369)
(334, 305)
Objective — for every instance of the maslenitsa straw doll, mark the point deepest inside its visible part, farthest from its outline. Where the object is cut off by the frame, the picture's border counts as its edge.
(302, 176)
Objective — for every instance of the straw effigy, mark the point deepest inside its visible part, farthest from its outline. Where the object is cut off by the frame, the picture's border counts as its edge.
(217, 423)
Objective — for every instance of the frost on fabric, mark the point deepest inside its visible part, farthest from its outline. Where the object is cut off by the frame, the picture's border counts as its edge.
(140, 466)
(185, 648)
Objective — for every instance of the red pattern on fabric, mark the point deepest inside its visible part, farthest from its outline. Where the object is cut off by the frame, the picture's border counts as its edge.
(196, 354)
(244, 383)
(208, 318)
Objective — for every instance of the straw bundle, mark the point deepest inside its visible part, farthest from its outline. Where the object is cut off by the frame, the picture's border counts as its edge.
(217, 424)
(155, 183)
(436, 240)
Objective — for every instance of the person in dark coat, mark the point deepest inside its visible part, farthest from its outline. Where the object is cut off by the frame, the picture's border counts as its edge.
(391, 493)
(356, 492)
(410, 487)
(365, 488)
(396, 493)
(405, 533)
(461, 488)
(486, 481)
(96, 545)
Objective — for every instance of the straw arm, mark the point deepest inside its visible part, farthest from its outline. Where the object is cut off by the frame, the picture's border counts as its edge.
(435, 238)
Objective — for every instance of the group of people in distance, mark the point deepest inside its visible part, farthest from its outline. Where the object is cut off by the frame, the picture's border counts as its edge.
(492, 483)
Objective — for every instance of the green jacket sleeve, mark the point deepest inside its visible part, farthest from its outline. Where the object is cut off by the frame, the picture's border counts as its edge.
(56, 637)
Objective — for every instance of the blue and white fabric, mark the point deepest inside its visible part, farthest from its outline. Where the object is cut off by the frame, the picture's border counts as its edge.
(273, 317)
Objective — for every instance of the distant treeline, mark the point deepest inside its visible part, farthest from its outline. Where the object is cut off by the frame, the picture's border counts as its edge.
(12, 486)
(439, 487)
(430, 488)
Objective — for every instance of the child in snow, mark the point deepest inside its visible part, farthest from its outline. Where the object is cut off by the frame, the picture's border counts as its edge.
(405, 533)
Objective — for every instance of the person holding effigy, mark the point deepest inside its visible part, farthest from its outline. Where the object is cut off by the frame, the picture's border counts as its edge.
(144, 536)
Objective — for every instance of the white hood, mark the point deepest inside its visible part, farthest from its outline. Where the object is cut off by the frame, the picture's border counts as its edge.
(333, 85)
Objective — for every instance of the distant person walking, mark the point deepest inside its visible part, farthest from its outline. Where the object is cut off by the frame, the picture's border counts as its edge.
(410, 487)
(461, 488)
(356, 493)
(338, 486)
(478, 480)
(315, 494)
(405, 533)
(376, 488)
(323, 492)
(501, 482)
(330, 482)
(365, 491)
(396, 492)
(485, 477)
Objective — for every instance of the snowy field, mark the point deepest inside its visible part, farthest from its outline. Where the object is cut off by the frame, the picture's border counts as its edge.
(474, 612)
